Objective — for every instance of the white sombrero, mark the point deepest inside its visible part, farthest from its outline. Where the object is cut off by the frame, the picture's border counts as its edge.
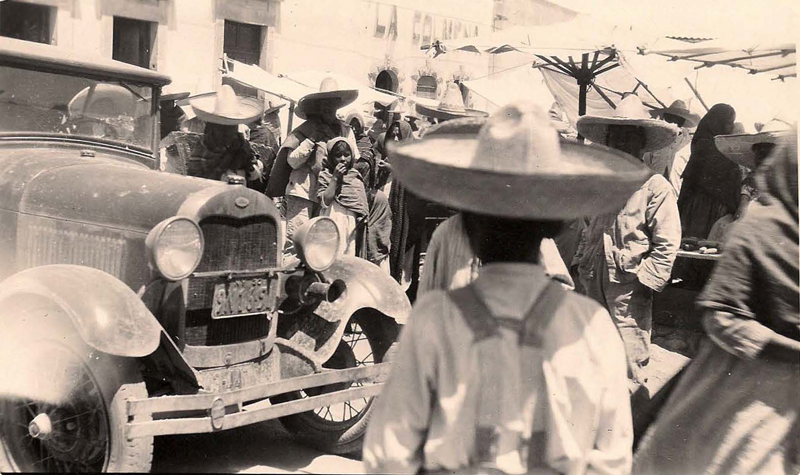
(739, 147)
(516, 167)
(629, 111)
(328, 92)
(450, 107)
(104, 100)
(679, 109)
(226, 108)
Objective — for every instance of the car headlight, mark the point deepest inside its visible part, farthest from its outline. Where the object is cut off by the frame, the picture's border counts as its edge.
(317, 243)
(175, 246)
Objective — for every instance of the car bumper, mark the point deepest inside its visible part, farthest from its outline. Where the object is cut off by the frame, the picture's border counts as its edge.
(222, 410)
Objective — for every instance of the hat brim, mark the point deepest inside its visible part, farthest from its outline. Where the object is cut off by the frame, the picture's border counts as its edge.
(247, 110)
(341, 97)
(175, 96)
(447, 115)
(599, 180)
(659, 134)
(739, 147)
(691, 119)
(274, 109)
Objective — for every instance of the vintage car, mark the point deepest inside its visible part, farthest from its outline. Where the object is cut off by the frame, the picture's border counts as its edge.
(136, 303)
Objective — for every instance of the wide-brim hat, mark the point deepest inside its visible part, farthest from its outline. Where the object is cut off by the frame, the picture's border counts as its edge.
(516, 166)
(739, 147)
(226, 108)
(105, 100)
(272, 109)
(328, 92)
(679, 109)
(397, 107)
(450, 107)
(629, 111)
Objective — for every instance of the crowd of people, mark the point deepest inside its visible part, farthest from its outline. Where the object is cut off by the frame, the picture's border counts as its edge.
(528, 346)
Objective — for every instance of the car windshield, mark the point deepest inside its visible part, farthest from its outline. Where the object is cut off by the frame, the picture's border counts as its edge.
(53, 103)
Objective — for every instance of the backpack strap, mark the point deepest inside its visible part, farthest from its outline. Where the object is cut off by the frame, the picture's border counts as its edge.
(541, 314)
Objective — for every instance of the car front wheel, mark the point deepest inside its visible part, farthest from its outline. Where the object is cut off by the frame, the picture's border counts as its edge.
(67, 412)
(340, 428)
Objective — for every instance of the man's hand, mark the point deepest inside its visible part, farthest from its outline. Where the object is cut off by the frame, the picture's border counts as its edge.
(384, 165)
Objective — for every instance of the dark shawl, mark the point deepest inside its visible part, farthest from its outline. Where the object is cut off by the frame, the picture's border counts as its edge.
(708, 170)
(377, 228)
(758, 276)
(311, 128)
(408, 211)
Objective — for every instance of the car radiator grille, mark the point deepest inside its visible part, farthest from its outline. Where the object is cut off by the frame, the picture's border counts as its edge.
(202, 330)
(230, 245)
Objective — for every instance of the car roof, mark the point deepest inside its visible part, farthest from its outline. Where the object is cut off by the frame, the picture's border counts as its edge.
(51, 58)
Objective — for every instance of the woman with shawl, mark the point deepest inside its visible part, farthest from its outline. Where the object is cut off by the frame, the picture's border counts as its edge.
(711, 182)
(374, 233)
(735, 408)
(408, 215)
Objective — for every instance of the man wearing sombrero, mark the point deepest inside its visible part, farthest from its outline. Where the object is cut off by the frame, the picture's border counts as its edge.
(664, 160)
(300, 158)
(225, 151)
(512, 373)
(626, 255)
(749, 151)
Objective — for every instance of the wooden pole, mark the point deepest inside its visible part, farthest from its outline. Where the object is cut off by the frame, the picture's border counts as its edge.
(696, 93)
(289, 122)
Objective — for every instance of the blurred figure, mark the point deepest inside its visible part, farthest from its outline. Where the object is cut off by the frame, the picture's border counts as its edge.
(671, 160)
(626, 255)
(735, 409)
(512, 373)
(711, 182)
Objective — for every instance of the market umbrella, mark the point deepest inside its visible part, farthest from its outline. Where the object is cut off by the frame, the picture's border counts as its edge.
(755, 56)
(581, 50)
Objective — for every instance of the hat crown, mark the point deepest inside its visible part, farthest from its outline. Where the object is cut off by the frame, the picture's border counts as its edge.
(328, 84)
(226, 103)
(517, 139)
(678, 104)
(453, 100)
(631, 107)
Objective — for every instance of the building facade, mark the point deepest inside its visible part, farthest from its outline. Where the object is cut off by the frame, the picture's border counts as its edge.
(377, 42)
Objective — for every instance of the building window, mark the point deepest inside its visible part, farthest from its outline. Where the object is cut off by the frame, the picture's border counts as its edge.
(387, 80)
(242, 42)
(26, 21)
(134, 42)
(426, 87)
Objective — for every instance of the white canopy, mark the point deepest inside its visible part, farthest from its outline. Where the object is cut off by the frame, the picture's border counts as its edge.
(774, 57)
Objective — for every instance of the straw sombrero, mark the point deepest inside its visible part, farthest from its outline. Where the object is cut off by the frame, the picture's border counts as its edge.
(517, 167)
(397, 107)
(679, 109)
(226, 108)
(629, 111)
(739, 147)
(328, 92)
(450, 107)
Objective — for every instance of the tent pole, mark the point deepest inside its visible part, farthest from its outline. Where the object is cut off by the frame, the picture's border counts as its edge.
(696, 93)
(582, 103)
(289, 122)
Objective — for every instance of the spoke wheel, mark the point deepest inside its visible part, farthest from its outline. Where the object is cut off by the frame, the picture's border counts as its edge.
(67, 435)
(67, 412)
(340, 428)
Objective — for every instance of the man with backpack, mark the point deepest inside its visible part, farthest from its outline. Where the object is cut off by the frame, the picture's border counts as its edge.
(512, 373)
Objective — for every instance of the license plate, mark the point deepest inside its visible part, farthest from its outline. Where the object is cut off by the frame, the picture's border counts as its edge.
(240, 297)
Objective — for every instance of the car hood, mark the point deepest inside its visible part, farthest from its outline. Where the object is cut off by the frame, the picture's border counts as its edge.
(101, 190)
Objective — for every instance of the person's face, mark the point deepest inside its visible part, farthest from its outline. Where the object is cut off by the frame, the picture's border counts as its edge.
(327, 111)
(394, 132)
(627, 138)
(674, 119)
(343, 156)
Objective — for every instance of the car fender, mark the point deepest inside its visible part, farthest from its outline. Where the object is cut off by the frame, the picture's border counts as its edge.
(105, 313)
(368, 286)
